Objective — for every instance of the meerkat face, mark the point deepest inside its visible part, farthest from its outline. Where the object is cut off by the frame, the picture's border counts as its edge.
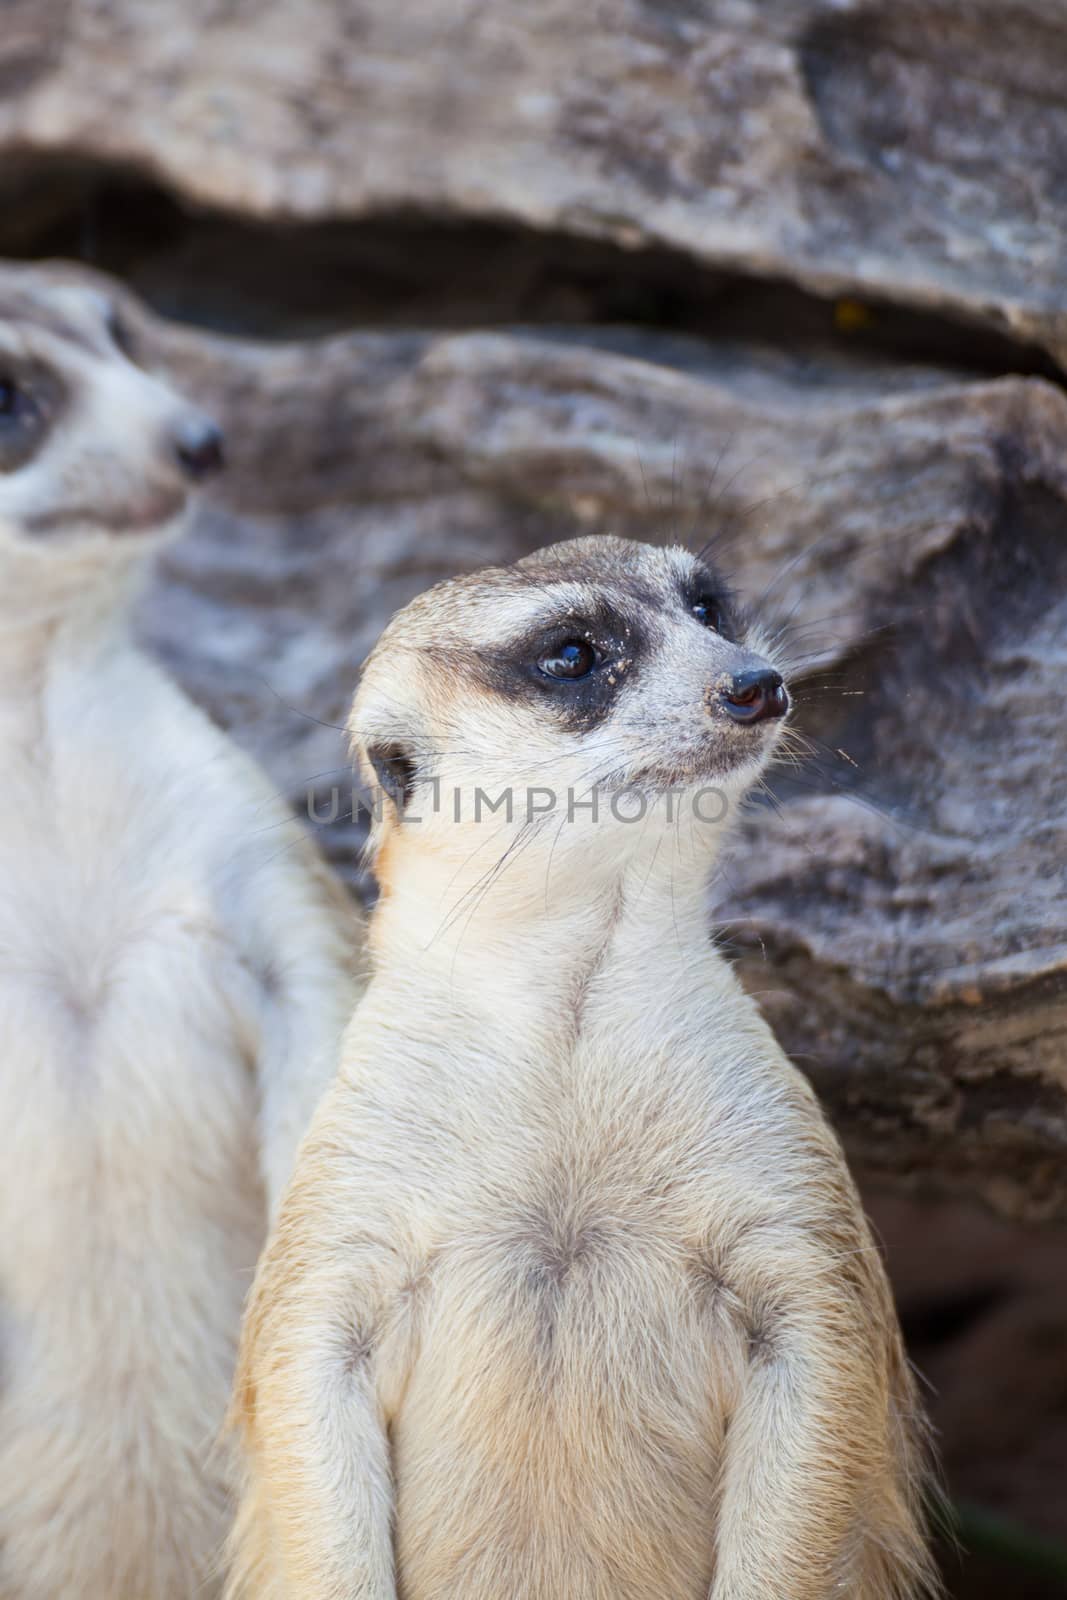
(91, 446)
(594, 667)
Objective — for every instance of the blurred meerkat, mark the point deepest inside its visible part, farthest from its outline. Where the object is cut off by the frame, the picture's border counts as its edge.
(571, 1296)
(172, 989)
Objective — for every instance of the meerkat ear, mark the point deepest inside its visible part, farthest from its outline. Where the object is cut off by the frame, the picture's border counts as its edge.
(394, 766)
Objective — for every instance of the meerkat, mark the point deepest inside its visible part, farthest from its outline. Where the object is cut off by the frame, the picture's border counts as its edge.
(173, 987)
(571, 1296)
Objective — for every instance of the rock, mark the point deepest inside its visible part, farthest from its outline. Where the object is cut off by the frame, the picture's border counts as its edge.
(902, 911)
(902, 152)
(984, 1311)
(883, 468)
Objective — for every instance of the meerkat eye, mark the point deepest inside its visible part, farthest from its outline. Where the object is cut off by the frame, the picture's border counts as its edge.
(19, 405)
(29, 403)
(10, 396)
(575, 658)
(706, 610)
(21, 424)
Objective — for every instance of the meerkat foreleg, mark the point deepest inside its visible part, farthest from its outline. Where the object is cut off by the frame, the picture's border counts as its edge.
(300, 1039)
(804, 1447)
(316, 1520)
(304, 968)
(319, 1506)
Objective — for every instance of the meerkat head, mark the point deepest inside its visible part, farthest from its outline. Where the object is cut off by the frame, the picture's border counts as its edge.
(603, 673)
(97, 456)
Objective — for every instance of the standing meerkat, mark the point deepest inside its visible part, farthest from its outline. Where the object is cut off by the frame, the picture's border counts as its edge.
(571, 1296)
(173, 986)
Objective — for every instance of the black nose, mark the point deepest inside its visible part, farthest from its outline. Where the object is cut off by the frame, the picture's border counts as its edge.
(755, 696)
(198, 446)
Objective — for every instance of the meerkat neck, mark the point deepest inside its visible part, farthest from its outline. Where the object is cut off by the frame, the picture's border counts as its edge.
(527, 930)
(80, 609)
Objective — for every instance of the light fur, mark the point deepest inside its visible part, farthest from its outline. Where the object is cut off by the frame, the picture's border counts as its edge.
(571, 1296)
(174, 978)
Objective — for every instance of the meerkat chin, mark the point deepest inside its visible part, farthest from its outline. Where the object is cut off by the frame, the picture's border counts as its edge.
(571, 1295)
(173, 983)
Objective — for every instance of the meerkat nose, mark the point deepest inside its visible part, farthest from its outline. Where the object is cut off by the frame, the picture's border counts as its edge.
(198, 445)
(755, 696)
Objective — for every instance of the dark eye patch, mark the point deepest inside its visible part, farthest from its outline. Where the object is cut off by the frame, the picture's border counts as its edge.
(31, 398)
(516, 671)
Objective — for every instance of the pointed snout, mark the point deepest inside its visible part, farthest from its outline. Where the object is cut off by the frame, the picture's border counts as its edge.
(198, 446)
(754, 696)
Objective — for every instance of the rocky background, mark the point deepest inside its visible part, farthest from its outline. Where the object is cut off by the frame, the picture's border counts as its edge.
(462, 277)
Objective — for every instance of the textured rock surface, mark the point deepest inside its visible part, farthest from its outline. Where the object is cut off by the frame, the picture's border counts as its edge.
(523, 174)
(902, 913)
(911, 150)
(984, 1311)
